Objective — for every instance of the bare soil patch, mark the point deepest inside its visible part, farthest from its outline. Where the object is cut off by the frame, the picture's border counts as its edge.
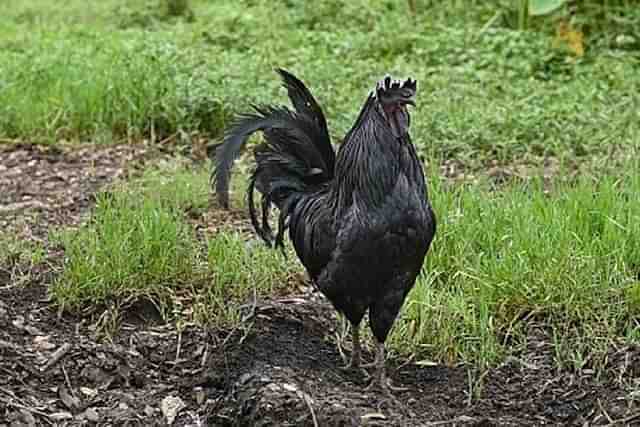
(280, 368)
(46, 186)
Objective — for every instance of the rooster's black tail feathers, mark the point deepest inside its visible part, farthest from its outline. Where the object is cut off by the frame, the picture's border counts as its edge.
(295, 157)
(234, 141)
(306, 105)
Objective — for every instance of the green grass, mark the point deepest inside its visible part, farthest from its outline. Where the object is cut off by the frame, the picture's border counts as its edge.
(561, 254)
(132, 247)
(114, 72)
(16, 251)
(139, 245)
(129, 89)
(239, 272)
(503, 260)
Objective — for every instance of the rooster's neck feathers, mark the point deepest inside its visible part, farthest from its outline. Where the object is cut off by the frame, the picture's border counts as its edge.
(372, 158)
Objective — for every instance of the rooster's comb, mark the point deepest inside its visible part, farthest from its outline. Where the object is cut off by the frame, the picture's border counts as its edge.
(388, 85)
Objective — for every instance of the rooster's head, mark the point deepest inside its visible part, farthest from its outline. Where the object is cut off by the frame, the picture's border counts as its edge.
(393, 97)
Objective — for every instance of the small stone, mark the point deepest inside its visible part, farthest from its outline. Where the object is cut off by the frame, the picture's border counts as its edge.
(18, 322)
(289, 387)
(89, 392)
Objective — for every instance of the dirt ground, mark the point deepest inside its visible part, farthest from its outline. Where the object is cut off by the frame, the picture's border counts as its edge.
(281, 369)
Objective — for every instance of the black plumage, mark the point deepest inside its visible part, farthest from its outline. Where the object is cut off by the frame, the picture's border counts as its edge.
(360, 221)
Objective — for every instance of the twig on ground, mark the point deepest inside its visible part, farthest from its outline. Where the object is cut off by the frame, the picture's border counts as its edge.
(406, 362)
(244, 336)
(292, 300)
(243, 320)
(178, 346)
(339, 347)
(56, 356)
(229, 335)
(252, 312)
(167, 139)
(624, 421)
(604, 412)
(13, 401)
(460, 419)
(67, 381)
(307, 400)
(24, 407)
(205, 355)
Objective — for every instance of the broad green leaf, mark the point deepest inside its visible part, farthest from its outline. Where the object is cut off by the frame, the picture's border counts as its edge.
(543, 7)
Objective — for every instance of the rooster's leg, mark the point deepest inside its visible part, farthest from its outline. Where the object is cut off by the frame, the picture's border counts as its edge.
(380, 379)
(355, 354)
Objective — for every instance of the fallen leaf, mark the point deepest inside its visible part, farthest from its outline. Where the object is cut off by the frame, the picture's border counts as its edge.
(170, 407)
(200, 395)
(570, 37)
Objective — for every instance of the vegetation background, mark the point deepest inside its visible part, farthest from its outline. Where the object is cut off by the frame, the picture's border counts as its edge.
(528, 122)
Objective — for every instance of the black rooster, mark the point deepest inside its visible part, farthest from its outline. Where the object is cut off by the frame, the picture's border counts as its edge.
(360, 221)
